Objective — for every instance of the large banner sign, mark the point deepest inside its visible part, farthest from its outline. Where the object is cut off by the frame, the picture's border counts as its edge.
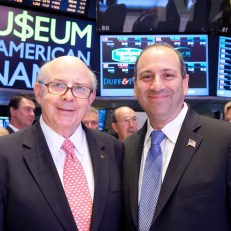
(28, 39)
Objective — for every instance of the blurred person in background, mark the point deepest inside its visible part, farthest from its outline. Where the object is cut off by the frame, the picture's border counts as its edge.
(3, 131)
(91, 118)
(227, 111)
(124, 122)
(21, 110)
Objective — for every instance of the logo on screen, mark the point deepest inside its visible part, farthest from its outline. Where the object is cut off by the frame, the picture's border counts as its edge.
(126, 54)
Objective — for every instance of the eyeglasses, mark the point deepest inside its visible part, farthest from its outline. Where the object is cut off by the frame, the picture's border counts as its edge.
(127, 121)
(57, 88)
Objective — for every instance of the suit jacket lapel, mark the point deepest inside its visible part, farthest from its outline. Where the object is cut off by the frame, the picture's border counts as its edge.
(182, 154)
(42, 167)
(101, 169)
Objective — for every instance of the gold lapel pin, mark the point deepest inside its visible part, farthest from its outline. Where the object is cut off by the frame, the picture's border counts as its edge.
(191, 143)
(102, 156)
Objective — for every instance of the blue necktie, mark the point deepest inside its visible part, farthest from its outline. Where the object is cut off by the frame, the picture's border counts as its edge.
(151, 182)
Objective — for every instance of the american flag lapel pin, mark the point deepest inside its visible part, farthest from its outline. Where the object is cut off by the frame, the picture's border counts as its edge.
(191, 143)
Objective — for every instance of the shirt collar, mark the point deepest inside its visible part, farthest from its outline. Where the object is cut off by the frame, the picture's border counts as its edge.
(172, 129)
(55, 141)
(13, 127)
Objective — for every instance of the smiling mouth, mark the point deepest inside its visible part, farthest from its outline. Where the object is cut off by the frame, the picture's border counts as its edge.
(158, 96)
(65, 109)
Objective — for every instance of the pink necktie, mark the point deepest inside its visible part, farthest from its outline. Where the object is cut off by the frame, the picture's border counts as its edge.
(76, 188)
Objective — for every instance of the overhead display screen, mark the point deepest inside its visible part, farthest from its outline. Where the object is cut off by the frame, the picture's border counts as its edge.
(118, 54)
(164, 16)
(224, 67)
(28, 39)
(78, 7)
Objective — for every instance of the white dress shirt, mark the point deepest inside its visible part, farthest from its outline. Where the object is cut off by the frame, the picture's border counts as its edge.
(171, 131)
(55, 141)
(13, 127)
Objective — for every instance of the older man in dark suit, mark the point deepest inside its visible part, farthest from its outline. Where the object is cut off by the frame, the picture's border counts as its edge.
(39, 188)
(177, 170)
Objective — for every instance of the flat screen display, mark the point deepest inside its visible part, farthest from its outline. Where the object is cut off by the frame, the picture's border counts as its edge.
(224, 67)
(118, 54)
(164, 16)
(29, 38)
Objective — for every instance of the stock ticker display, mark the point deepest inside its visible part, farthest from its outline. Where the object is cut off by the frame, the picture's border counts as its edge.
(224, 67)
(78, 7)
(118, 55)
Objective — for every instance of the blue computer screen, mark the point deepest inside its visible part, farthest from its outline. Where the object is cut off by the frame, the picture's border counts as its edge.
(102, 118)
(4, 121)
(224, 67)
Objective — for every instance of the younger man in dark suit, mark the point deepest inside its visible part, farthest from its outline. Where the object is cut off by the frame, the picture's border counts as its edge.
(190, 163)
(39, 188)
(21, 110)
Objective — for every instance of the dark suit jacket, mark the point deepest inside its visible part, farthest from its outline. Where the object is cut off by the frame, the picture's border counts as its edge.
(10, 130)
(31, 193)
(196, 190)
